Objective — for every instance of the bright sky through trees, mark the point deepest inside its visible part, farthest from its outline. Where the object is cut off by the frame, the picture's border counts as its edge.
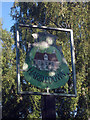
(6, 18)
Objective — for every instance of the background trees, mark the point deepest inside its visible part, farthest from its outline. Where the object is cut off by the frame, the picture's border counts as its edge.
(67, 15)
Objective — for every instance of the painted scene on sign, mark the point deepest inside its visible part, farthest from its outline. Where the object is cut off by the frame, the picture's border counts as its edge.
(45, 66)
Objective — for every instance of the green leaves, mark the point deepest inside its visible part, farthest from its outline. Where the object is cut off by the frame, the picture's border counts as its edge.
(74, 16)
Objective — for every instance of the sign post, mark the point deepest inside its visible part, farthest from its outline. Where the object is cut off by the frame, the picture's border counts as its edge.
(46, 68)
(48, 108)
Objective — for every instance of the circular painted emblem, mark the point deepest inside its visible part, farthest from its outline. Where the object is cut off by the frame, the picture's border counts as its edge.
(44, 66)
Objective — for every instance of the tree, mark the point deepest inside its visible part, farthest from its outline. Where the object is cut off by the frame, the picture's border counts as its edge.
(69, 15)
(12, 102)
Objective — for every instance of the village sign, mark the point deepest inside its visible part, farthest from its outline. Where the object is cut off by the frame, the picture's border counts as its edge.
(45, 66)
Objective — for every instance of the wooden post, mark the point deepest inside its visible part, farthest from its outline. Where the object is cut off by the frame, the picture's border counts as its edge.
(48, 107)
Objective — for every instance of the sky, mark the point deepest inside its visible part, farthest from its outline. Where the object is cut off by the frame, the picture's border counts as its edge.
(6, 18)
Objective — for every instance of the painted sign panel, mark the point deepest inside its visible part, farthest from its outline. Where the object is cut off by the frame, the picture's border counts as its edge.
(45, 66)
